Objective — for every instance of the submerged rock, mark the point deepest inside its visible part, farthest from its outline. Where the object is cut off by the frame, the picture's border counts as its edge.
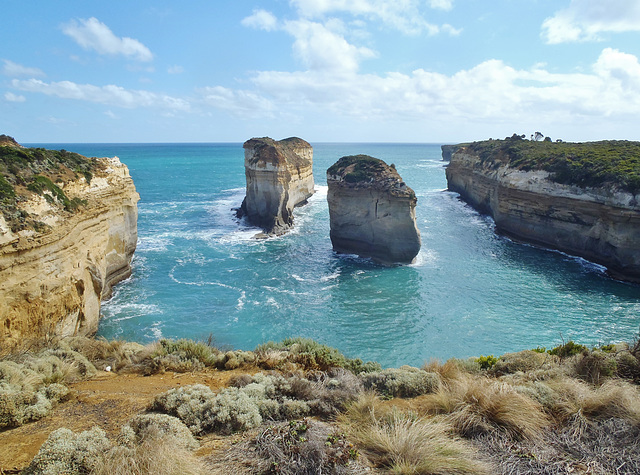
(279, 178)
(372, 211)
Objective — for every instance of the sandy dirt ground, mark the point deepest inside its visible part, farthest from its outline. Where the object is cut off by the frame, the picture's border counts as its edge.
(108, 401)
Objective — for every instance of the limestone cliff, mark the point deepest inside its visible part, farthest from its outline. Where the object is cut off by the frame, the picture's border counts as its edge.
(372, 211)
(65, 239)
(545, 207)
(448, 150)
(279, 177)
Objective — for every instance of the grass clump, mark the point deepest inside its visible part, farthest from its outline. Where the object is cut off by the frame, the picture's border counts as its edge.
(401, 382)
(404, 443)
(31, 384)
(476, 405)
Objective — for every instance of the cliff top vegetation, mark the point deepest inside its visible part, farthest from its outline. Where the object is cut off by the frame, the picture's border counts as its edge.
(301, 406)
(609, 163)
(24, 171)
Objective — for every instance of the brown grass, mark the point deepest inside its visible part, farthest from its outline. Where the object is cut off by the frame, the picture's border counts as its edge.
(156, 454)
(404, 443)
(478, 405)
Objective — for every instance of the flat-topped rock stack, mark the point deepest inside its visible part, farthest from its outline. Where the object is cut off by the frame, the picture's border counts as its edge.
(372, 211)
(279, 177)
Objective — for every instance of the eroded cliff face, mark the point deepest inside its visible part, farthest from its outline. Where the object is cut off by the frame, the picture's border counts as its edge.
(599, 224)
(52, 280)
(372, 211)
(279, 177)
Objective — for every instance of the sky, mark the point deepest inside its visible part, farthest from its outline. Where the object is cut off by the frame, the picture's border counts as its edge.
(432, 71)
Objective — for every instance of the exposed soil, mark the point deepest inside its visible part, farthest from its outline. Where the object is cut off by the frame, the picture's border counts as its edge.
(108, 401)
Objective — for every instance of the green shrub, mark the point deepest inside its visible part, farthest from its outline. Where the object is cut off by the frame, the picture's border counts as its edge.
(144, 426)
(310, 354)
(31, 385)
(486, 362)
(401, 382)
(569, 348)
(524, 361)
(253, 399)
(6, 190)
(203, 411)
(297, 447)
(589, 164)
(150, 443)
(69, 453)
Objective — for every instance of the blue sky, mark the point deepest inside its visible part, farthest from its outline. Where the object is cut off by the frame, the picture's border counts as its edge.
(323, 70)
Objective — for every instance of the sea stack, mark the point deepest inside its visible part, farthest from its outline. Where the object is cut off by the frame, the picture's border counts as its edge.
(279, 177)
(372, 212)
(68, 231)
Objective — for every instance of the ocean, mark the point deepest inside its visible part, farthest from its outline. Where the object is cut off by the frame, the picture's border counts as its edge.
(198, 272)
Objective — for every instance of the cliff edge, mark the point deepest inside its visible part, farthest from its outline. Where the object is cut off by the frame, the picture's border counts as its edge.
(579, 198)
(372, 211)
(279, 177)
(68, 231)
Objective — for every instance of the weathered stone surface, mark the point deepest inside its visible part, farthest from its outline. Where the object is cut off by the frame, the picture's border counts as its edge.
(447, 151)
(599, 224)
(372, 211)
(52, 282)
(279, 177)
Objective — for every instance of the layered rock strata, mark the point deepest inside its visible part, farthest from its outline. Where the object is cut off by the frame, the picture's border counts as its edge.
(372, 211)
(279, 178)
(601, 224)
(53, 279)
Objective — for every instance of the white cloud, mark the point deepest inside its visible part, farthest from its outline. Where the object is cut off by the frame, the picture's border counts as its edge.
(92, 34)
(584, 20)
(109, 95)
(441, 4)
(404, 15)
(321, 48)
(490, 93)
(261, 20)
(244, 104)
(13, 70)
(11, 97)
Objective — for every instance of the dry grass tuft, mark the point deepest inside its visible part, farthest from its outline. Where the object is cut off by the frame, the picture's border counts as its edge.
(476, 406)
(406, 444)
(577, 401)
(157, 453)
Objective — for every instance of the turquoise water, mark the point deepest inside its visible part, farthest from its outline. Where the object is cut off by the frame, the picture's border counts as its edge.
(198, 272)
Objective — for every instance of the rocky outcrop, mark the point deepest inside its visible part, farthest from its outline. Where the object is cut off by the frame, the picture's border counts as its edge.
(372, 211)
(53, 277)
(601, 224)
(447, 151)
(279, 177)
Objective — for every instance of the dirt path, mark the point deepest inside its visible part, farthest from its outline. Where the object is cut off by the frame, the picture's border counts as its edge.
(107, 401)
